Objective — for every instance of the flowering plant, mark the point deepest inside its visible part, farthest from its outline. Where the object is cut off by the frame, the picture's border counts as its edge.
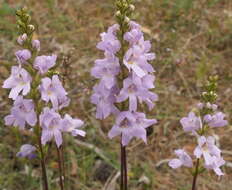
(39, 98)
(125, 79)
(200, 123)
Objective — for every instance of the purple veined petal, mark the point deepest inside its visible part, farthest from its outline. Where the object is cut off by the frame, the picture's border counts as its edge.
(46, 136)
(115, 131)
(218, 171)
(58, 138)
(76, 132)
(175, 163)
(31, 118)
(9, 120)
(126, 138)
(26, 89)
(198, 152)
(207, 158)
(15, 92)
(139, 132)
(132, 102)
(140, 72)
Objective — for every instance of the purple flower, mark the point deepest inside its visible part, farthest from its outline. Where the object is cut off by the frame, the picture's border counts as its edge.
(215, 165)
(52, 90)
(133, 36)
(21, 39)
(71, 125)
(183, 159)
(27, 150)
(130, 125)
(191, 123)
(106, 70)
(216, 120)
(22, 113)
(104, 99)
(137, 57)
(63, 102)
(109, 42)
(134, 89)
(18, 81)
(44, 63)
(207, 148)
(23, 55)
(36, 44)
(50, 121)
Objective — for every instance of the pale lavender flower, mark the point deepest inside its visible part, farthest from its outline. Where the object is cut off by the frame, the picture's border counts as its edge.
(104, 99)
(22, 38)
(183, 159)
(134, 89)
(106, 70)
(52, 90)
(36, 44)
(109, 42)
(130, 125)
(23, 55)
(72, 126)
(215, 165)
(44, 63)
(133, 36)
(124, 127)
(27, 150)
(216, 120)
(63, 102)
(191, 123)
(18, 81)
(22, 112)
(141, 123)
(207, 148)
(50, 121)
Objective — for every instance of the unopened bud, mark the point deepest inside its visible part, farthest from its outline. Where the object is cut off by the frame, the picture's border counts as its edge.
(21, 39)
(36, 44)
(127, 20)
(118, 13)
(132, 7)
(31, 27)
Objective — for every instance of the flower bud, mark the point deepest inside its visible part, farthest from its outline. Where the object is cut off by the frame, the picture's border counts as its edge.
(21, 39)
(118, 13)
(127, 20)
(36, 44)
(132, 7)
(31, 27)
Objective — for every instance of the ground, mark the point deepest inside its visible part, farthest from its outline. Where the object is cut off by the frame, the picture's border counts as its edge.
(191, 39)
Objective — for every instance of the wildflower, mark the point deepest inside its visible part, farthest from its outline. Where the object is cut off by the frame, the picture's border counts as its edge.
(207, 148)
(22, 112)
(72, 125)
(21, 39)
(50, 121)
(104, 99)
(216, 120)
(23, 56)
(27, 150)
(191, 123)
(134, 89)
(36, 44)
(215, 165)
(18, 81)
(52, 90)
(44, 63)
(130, 125)
(106, 70)
(183, 159)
